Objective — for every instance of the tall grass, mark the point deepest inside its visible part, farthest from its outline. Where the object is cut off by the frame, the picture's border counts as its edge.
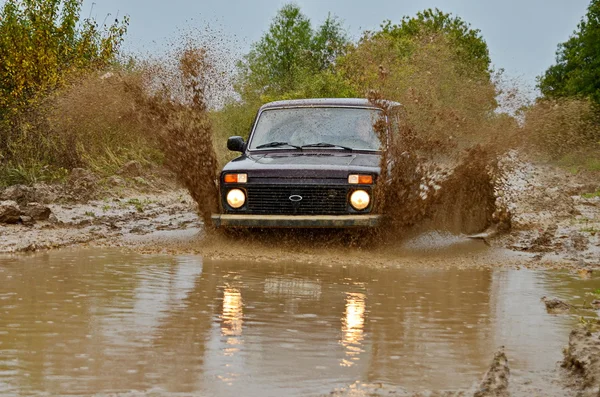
(565, 131)
(90, 123)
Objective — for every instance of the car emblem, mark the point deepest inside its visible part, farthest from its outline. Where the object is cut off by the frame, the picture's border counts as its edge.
(295, 198)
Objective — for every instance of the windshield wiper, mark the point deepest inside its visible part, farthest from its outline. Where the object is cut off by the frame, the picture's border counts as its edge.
(277, 144)
(325, 144)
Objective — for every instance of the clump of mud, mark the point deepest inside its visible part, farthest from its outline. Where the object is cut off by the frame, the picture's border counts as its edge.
(582, 361)
(495, 381)
(554, 305)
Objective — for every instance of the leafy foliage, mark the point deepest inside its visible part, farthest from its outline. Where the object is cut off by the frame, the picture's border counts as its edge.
(430, 58)
(292, 60)
(577, 68)
(467, 43)
(43, 44)
(42, 41)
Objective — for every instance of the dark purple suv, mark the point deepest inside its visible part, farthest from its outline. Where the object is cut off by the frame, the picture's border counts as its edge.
(307, 163)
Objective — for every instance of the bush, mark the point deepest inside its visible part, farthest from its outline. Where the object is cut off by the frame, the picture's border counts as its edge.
(95, 125)
(42, 42)
(235, 118)
(43, 45)
(91, 123)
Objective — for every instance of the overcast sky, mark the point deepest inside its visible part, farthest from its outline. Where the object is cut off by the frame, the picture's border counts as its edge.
(522, 35)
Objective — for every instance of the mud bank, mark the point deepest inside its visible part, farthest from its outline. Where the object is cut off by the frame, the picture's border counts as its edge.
(88, 209)
(110, 221)
(582, 361)
(555, 213)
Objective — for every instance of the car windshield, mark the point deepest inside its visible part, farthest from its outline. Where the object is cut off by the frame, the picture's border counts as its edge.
(316, 127)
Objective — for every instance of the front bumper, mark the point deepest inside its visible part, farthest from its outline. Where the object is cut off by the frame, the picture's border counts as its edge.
(295, 221)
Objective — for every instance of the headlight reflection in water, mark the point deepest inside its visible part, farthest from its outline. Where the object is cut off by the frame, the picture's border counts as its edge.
(353, 327)
(232, 318)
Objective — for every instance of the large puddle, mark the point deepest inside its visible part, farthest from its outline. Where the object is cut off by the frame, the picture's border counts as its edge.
(89, 321)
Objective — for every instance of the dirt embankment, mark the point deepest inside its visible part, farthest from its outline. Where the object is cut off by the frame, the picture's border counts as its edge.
(555, 214)
(88, 209)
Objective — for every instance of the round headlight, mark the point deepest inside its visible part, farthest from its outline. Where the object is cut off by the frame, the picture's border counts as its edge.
(360, 200)
(236, 198)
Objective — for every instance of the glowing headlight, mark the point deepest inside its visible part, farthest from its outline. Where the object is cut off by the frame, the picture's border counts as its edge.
(360, 200)
(236, 198)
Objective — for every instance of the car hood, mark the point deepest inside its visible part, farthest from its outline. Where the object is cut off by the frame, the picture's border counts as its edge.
(305, 164)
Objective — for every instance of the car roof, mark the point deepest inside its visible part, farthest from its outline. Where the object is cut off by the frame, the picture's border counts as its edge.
(323, 102)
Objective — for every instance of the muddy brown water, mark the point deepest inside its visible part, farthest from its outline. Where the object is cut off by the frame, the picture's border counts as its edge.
(104, 321)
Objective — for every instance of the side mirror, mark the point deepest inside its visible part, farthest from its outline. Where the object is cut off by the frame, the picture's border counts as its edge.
(236, 144)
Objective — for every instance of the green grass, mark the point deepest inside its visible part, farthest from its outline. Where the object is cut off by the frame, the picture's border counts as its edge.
(592, 230)
(30, 174)
(591, 195)
(593, 163)
(581, 221)
(140, 205)
(581, 161)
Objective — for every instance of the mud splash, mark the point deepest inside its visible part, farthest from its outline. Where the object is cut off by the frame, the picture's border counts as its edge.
(173, 100)
(440, 154)
(452, 190)
(442, 146)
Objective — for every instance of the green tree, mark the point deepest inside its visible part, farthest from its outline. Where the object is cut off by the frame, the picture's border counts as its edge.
(290, 61)
(469, 45)
(577, 68)
(282, 52)
(329, 42)
(285, 62)
(432, 50)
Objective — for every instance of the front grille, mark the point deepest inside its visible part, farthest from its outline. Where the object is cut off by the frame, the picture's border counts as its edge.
(316, 200)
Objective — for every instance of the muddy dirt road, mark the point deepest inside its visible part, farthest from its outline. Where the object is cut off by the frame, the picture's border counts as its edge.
(112, 322)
